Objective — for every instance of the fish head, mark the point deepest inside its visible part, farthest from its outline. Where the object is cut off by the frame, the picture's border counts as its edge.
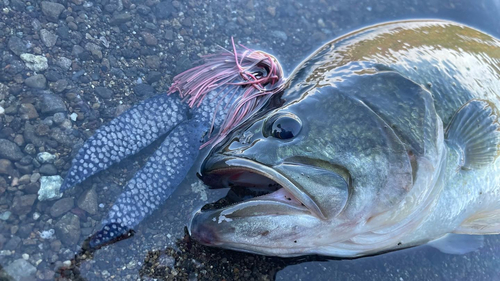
(326, 161)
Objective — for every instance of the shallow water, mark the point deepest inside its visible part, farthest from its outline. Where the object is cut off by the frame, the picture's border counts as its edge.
(104, 47)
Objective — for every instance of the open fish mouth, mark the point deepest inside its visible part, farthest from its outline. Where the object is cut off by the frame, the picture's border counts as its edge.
(253, 183)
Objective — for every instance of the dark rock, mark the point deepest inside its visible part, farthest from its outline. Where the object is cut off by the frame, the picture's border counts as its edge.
(169, 35)
(61, 207)
(30, 148)
(32, 188)
(88, 201)
(42, 130)
(64, 137)
(52, 103)
(77, 50)
(143, 10)
(10, 150)
(22, 205)
(52, 75)
(63, 32)
(37, 81)
(68, 229)
(51, 10)
(30, 136)
(153, 62)
(104, 92)
(59, 117)
(28, 111)
(26, 160)
(143, 90)
(164, 10)
(48, 169)
(17, 46)
(48, 38)
(13, 243)
(149, 39)
(25, 230)
(60, 85)
(17, 5)
(120, 19)
(24, 169)
(153, 76)
(6, 167)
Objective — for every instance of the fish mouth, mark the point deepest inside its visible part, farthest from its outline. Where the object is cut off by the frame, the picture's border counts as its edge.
(251, 182)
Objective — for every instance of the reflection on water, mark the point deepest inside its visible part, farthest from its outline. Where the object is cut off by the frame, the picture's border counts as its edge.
(119, 44)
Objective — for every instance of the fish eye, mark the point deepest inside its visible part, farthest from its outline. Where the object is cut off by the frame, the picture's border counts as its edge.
(285, 126)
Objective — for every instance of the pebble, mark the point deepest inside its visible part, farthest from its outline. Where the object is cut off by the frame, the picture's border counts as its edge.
(48, 38)
(149, 39)
(2, 110)
(279, 35)
(37, 81)
(16, 45)
(104, 92)
(63, 62)
(61, 207)
(6, 167)
(45, 157)
(164, 10)
(143, 90)
(35, 62)
(48, 169)
(36, 216)
(68, 229)
(59, 86)
(88, 201)
(10, 150)
(5, 215)
(120, 19)
(73, 116)
(30, 148)
(28, 111)
(51, 10)
(21, 205)
(52, 103)
(20, 269)
(49, 188)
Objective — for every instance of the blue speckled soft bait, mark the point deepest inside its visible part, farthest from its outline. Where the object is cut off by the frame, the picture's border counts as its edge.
(230, 84)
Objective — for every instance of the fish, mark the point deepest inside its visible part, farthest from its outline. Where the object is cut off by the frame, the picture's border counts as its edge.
(383, 139)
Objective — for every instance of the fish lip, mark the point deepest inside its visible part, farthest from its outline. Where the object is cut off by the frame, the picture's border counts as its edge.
(228, 163)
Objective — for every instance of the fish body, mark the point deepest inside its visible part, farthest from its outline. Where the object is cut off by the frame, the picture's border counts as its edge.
(383, 139)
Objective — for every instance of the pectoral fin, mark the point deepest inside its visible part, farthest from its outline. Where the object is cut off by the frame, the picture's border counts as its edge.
(458, 244)
(475, 132)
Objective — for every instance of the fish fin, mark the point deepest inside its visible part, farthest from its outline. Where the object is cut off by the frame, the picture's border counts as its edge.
(474, 132)
(458, 244)
(487, 222)
(152, 185)
(125, 135)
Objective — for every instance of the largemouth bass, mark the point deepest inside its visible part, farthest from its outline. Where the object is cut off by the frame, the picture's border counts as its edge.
(383, 139)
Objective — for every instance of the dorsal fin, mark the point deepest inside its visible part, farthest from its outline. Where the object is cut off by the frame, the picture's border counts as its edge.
(475, 132)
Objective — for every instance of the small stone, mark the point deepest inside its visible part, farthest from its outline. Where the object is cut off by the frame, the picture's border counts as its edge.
(37, 81)
(5, 215)
(45, 157)
(149, 39)
(36, 216)
(52, 103)
(279, 35)
(63, 62)
(22, 205)
(49, 188)
(61, 207)
(10, 150)
(120, 18)
(6, 167)
(28, 111)
(17, 46)
(143, 90)
(30, 148)
(164, 10)
(34, 62)
(2, 110)
(48, 169)
(51, 10)
(73, 116)
(20, 269)
(104, 92)
(19, 139)
(153, 76)
(88, 201)
(24, 179)
(68, 229)
(60, 85)
(48, 38)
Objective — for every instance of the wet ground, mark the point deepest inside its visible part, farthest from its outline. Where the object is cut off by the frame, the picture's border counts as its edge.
(105, 55)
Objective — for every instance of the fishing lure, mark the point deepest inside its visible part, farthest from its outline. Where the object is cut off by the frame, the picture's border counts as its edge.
(216, 97)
